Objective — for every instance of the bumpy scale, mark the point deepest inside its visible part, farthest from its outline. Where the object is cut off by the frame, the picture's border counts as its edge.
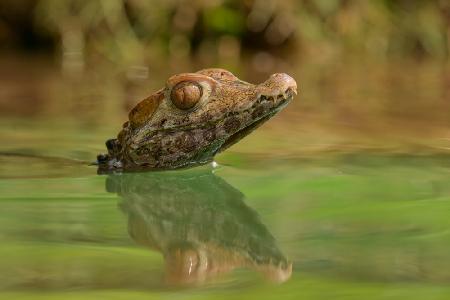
(194, 117)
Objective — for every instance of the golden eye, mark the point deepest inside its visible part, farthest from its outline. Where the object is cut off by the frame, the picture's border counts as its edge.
(186, 94)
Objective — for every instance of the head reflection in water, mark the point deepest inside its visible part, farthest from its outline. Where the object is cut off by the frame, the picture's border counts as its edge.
(199, 223)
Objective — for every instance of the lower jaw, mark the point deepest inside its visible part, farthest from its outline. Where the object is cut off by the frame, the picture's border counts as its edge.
(108, 166)
(236, 137)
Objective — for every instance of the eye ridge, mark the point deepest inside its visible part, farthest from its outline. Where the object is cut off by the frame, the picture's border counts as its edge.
(185, 95)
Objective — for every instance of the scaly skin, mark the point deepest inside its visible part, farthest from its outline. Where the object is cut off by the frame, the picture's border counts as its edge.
(195, 116)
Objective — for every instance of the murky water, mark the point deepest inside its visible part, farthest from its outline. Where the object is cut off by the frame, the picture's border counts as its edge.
(345, 195)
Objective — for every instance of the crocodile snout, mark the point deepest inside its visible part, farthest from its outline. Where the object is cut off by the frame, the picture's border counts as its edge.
(194, 117)
(278, 84)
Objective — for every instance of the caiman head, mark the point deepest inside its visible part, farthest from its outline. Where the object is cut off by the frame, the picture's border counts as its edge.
(194, 117)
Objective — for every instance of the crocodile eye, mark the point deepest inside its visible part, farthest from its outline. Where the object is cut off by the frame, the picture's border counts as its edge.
(186, 94)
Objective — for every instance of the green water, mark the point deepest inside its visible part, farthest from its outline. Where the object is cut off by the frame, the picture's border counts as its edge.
(355, 199)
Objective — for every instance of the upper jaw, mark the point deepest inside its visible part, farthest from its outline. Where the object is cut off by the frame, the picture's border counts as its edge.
(274, 93)
(263, 108)
(278, 84)
(268, 97)
(277, 100)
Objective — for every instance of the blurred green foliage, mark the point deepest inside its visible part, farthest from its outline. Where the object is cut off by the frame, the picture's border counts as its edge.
(133, 31)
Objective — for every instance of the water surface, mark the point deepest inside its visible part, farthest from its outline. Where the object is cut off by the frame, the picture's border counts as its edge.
(344, 195)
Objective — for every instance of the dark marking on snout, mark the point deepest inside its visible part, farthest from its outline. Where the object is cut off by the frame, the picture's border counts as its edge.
(232, 124)
(206, 117)
(185, 142)
(209, 135)
(258, 112)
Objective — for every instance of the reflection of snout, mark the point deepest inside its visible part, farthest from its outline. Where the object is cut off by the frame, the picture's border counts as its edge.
(277, 274)
(188, 265)
(185, 265)
(278, 84)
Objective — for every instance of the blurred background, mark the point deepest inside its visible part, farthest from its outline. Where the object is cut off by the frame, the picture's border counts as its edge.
(148, 33)
(351, 179)
(363, 67)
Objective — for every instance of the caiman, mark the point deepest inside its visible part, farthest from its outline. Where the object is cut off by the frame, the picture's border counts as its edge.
(199, 223)
(194, 117)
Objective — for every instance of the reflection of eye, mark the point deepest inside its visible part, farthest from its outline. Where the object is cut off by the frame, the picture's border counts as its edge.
(186, 94)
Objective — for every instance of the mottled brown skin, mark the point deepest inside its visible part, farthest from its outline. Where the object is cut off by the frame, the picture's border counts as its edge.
(193, 118)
